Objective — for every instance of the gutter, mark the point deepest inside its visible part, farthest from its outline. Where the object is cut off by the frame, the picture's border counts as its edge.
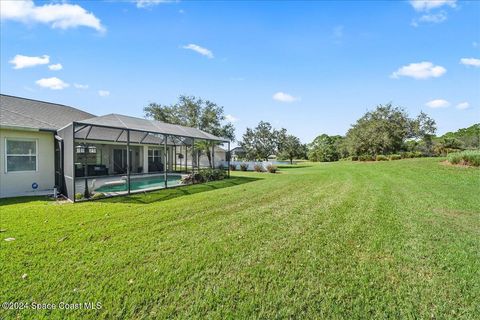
(27, 129)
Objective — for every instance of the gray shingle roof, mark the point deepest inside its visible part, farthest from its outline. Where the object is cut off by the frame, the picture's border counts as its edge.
(34, 114)
(146, 125)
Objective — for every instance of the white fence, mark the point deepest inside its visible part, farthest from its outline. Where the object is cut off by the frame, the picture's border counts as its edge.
(250, 164)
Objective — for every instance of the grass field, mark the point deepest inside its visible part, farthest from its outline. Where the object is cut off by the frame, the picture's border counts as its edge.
(398, 239)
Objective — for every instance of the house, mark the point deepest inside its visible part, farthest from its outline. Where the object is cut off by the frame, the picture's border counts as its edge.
(47, 145)
(237, 154)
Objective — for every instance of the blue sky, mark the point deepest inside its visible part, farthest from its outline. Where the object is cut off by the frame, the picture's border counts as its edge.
(311, 67)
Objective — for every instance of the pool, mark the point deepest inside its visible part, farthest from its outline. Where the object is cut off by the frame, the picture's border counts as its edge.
(156, 182)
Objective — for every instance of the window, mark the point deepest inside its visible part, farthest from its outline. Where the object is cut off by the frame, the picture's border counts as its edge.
(21, 155)
(154, 155)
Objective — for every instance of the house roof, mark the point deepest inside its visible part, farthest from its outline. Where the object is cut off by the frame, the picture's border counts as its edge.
(119, 121)
(26, 113)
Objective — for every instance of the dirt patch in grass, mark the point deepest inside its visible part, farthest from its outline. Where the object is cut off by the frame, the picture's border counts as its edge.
(462, 164)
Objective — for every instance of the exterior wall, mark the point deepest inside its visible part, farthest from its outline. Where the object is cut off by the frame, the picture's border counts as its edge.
(219, 158)
(20, 183)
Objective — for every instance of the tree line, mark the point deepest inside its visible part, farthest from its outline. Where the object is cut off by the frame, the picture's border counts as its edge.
(389, 130)
(386, 130)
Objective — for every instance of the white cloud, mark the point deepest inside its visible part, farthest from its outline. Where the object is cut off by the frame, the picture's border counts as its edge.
(103, 93)
(20, 61)
(463, 105)
(57, 15)
(284, 97)
(149, 3)
(421, 70)
(231, 118)
(433, 17)
(426, 5)
(52, 83)
(203, 51)
(55, 67)
(80, 86)
(437, 103)
(470, 62)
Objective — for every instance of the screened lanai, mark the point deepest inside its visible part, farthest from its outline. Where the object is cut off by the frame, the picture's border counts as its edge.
(117, 155)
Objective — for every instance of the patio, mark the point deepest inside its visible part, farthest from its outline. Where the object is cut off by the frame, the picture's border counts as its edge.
(118, 155)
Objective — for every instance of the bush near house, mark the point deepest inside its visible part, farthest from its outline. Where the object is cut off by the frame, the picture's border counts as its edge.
(243, 167)
(98, 195)
(233, 167)
(258, 168)
(204, 175)
(467, 157)
(272, 168)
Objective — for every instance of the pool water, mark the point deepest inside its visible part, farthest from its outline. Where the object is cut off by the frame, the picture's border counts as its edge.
(142, 183)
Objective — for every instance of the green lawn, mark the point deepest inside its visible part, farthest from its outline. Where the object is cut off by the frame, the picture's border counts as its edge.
(398, 239)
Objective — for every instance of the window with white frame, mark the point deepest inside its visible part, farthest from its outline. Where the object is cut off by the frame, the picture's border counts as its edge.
(154, 155)
(20, 155)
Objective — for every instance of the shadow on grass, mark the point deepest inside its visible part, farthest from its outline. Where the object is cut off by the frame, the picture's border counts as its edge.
(18, 200)
(293, 166)
(162, 195)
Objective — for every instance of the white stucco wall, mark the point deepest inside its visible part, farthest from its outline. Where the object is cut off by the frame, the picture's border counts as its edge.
(20, 183)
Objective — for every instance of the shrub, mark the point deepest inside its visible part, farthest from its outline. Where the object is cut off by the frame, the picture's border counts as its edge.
(366, 157)
(98, 195)
(233, 167)
(467, 157)
(411, 154)
(258, 167)
(78, 196)
(395, 157)
(211, 174)
(272, 168)
(192, 178)
(243, 166)
(381, 157)
(354, 158)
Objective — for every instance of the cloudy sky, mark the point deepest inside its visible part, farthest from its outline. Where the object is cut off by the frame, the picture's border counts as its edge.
(311, 67)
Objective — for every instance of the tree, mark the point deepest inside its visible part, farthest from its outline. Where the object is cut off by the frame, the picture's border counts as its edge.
(444, 146)
(290, 148)
(195, 112)
(261, 142)
(326, 148)
(470, 137)
(424, 128)
(381, 131)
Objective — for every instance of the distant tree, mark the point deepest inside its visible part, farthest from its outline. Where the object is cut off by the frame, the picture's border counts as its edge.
(290, 147)
(261, 142)
(470, 137)
(326, 148)
(195, 112)
(424, 128)
(443, 146)
(381, 131)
